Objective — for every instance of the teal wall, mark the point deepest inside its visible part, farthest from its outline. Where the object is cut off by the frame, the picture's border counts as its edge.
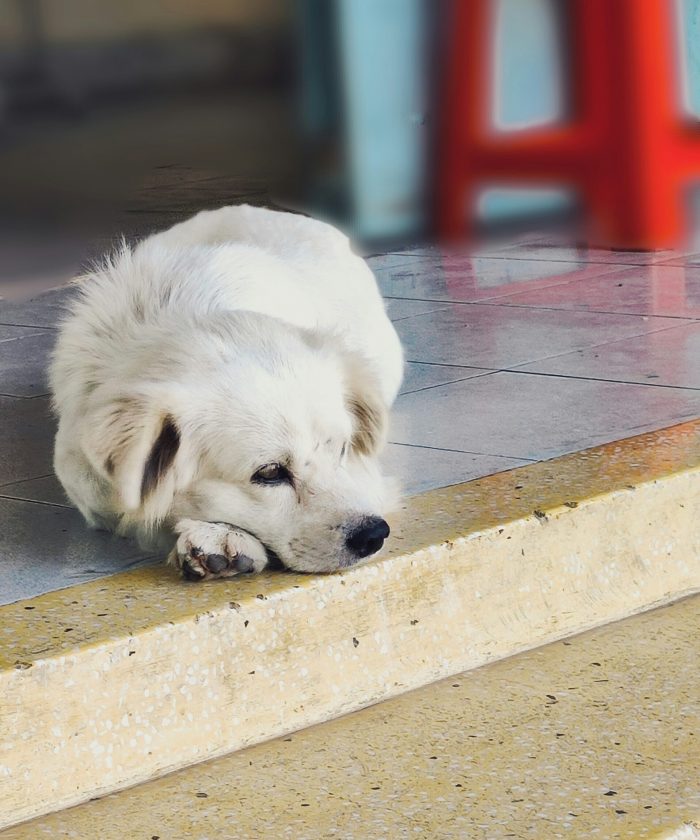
(385, 87)
(528, 91)
(690, 21)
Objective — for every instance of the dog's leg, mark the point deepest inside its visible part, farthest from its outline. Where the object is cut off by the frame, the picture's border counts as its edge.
(207, 550)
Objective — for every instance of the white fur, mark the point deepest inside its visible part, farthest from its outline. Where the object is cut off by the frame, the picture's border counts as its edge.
(260, 337)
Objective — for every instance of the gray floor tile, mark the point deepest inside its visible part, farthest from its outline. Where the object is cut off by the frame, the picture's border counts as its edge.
(469, 279)
(399, 308)
(46, 489)
(419, 469)
(667, 357)
(504, 336)
(28, 429)
(45, 310)
(43, 548)
(10, 332)
(671, 290)
(550, 248)
(377, 262)
(535, 417)
(684, 259)
(418, 376)
(24, 364)
(414, 249)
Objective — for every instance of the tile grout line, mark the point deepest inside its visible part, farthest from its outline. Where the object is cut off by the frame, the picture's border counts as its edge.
(37, 502)
(552, 285)
(23, 480)
(567, 353)
(541, 373)
(406, 317)
(608, 344)
(595, 379)
(507, 256)
(614, 265)
(450, 382)
(590, 443)
(25, 396)
(488, 302)
(493, 301)
(519, 458)
(40, 331)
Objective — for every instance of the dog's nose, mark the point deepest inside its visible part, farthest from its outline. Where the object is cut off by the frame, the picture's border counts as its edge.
(368, 537)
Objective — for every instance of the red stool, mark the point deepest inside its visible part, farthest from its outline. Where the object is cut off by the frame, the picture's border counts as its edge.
(627, 149)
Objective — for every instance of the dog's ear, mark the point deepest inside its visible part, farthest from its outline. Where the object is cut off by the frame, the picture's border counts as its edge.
(366, 406)
(133, 443)
(363, 394)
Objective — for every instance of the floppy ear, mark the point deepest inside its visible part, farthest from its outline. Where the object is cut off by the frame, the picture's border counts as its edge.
(133, 444)
(367, 408)
(363, 394)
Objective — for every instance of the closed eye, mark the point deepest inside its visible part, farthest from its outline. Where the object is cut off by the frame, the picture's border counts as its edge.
(273, 474)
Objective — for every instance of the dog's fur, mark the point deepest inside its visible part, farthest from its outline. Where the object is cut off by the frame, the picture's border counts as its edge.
(240, 338)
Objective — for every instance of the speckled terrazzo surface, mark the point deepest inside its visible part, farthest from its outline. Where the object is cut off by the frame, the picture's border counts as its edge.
(148, 674)
(595, 736)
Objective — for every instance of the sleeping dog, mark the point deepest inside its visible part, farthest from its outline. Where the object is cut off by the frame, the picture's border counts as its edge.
(225, 385)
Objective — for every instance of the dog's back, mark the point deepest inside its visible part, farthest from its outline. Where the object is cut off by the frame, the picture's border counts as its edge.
(237, 258)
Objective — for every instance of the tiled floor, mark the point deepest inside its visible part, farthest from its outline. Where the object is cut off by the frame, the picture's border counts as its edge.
(527, 351)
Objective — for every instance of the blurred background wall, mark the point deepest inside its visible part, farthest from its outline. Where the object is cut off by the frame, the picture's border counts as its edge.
(122, 117)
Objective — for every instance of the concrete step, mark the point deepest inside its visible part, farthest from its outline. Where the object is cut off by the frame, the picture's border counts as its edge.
(114, 682)
(596, 736)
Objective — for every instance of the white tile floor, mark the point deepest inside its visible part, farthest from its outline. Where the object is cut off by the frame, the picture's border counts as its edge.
(527, 351)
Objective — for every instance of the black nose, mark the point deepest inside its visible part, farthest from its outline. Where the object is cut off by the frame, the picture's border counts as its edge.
(368, 537)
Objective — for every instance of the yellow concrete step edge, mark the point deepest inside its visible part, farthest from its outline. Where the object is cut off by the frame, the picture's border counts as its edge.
(117, 681)
(597, 736)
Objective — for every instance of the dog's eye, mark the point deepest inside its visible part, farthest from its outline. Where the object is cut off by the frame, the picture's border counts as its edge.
(272, 474)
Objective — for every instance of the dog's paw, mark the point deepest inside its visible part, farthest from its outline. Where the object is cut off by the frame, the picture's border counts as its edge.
(207, 550)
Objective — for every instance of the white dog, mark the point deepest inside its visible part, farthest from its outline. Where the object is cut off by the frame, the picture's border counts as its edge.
(227, 383)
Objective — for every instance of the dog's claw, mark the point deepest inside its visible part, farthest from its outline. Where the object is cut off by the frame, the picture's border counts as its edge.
(189, 573)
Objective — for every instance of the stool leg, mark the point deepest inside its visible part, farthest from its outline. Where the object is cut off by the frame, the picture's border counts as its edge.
(634, 184)
(637, 211)
(465, 112)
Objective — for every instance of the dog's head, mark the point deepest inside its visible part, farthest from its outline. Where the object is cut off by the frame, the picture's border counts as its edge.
(257, 424)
